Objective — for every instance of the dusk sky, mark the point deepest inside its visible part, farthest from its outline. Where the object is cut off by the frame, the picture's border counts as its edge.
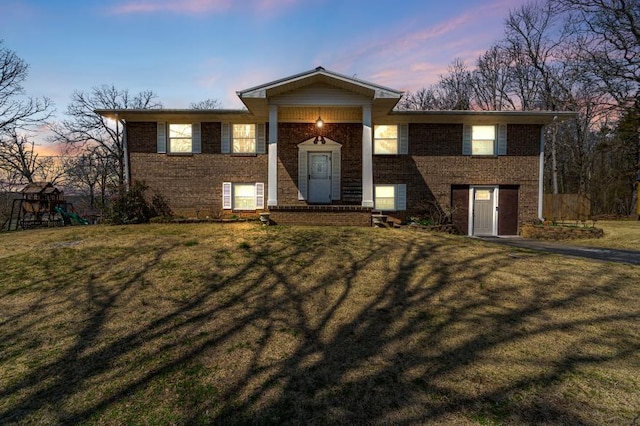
(190, 50)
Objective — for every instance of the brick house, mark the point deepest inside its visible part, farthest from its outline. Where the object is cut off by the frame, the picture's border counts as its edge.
(321, 147)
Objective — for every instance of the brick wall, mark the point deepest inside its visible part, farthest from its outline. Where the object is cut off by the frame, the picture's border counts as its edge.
(435, 163)
(193, 183)
(319, 215)
(291, 134)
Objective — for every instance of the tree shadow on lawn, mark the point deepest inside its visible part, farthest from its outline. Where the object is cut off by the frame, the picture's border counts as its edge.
(293, 328)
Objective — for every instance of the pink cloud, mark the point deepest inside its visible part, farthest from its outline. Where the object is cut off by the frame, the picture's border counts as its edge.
(179, 6)
(191, 7)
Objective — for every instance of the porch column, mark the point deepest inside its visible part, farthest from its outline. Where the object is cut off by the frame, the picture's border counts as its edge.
(272, 189)
(367, 157)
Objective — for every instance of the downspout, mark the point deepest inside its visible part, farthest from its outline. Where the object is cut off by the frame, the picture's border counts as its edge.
(541, 172)
(125, 152)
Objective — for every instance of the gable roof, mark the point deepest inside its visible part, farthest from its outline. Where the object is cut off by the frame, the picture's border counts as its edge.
(319, 75)
(382, 98)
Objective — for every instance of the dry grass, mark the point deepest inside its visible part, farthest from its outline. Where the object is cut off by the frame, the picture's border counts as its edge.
(240, 324)
(618, 234)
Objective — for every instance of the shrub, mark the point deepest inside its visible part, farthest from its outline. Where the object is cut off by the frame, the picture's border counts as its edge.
(132, 206)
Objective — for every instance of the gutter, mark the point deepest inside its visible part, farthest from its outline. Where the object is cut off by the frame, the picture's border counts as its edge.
(541, 171)
(125, 152)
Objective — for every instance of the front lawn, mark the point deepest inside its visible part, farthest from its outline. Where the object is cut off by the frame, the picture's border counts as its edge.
(241, 324)
(618, 234)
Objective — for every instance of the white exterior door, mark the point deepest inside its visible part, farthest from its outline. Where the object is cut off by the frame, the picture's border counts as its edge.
(320, 177)
(484, 211)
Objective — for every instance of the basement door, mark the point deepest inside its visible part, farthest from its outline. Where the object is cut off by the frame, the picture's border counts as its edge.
(484, 211)
(320, 177)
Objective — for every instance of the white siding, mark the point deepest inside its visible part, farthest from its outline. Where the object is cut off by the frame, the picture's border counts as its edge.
(319, 94)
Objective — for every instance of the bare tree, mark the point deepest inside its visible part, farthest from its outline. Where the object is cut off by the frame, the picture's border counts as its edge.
(16, 109)
(91, 171)
(456, 86)
(18, 156)
(425, 99)
(452, 92)
(87, 128)
(490, 81)
(608, 41)
(206, 104)
(534, 40)
(609, 44)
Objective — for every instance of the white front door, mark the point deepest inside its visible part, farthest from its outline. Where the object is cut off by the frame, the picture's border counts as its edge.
(484, 210)
(320, 177)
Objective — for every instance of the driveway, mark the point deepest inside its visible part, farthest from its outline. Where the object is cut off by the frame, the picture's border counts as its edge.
(598, 253)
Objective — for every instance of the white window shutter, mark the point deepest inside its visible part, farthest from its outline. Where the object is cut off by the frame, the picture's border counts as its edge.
(403, 139)
(303, 172)
(502, 139)
(335, 174)
(226, 195)
(466, 139)
(225, 147)
(161, 142)
(259, 195)
(196, 138)
(261, 138)
(401, 197)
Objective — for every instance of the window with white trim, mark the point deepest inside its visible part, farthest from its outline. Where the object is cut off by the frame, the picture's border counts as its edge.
(180, 138)
(390, 197)
(243, 196)
(391, 139)
(385, 139)
(244, 138)
(483, 140)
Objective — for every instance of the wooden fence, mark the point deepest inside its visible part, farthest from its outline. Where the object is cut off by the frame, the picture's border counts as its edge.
(566, 207)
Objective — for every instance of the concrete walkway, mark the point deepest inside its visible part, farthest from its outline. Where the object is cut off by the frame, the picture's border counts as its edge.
(598, 253)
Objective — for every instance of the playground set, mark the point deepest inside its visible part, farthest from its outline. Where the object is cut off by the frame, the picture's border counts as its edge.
(41, 205)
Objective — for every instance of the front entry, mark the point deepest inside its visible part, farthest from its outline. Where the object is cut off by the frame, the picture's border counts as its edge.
(484, 209)
(319, 177)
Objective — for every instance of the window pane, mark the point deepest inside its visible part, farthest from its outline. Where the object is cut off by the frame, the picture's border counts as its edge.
(244, 131)
(244, 145)
(180, 130)
(244, 138)
(484, 132)
(483, 195)
(179, 137)
(385, 197)
(385, 139)
(180, 145)
(382, 146)
(385, 132)
(244, 197)
(481, 147)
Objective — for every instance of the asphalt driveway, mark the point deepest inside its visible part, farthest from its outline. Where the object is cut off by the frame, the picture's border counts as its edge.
(597, 253)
